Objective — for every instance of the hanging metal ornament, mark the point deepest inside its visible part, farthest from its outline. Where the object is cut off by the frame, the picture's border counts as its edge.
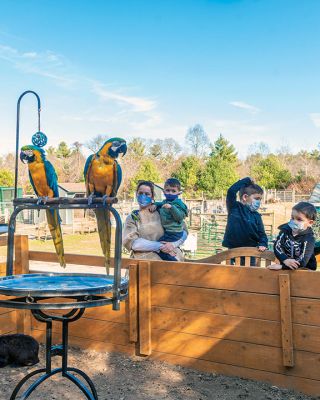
(39, 139)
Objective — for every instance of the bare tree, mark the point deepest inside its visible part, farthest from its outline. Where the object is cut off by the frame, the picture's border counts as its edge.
(95, 143)
(198, 140)
(259, 148)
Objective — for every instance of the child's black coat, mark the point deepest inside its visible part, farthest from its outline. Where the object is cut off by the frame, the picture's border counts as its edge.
(244, 227)
(299, 247)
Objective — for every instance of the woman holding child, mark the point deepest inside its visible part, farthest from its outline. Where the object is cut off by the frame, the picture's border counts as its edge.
(144, 234)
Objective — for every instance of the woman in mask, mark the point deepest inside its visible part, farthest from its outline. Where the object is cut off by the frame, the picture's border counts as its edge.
(143, 229)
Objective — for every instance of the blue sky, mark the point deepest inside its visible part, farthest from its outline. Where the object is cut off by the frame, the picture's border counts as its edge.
(249, 69)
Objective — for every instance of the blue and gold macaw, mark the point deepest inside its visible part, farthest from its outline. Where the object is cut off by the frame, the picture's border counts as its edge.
(103, 176)
(44, 181)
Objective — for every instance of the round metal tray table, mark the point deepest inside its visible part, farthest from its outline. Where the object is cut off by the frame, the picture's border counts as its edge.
(74, 292)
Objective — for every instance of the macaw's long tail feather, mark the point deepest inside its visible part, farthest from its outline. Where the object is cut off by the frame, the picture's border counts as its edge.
(104, 229)
(53, 219)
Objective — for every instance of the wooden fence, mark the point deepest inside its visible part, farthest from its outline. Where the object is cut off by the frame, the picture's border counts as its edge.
(249, 322)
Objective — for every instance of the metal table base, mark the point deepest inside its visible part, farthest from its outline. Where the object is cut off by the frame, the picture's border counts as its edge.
(61, 350)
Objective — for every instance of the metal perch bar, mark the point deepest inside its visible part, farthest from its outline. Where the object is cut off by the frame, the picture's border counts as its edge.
(64, 201)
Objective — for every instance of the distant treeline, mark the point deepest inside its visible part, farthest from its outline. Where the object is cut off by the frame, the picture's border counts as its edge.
(202, 167)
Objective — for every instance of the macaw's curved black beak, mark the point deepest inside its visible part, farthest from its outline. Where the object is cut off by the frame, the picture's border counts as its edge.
(123, 148)
(23, 157)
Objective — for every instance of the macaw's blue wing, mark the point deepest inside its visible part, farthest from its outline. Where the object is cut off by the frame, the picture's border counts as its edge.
(118, 178)
(32, 184)
(86, 167)
(52, 178)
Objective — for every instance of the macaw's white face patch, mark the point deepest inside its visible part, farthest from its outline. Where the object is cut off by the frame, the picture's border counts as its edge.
(26, 156)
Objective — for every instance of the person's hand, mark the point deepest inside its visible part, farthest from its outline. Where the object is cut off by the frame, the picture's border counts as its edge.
(262, 248)
(152, 208)
(167, 247)
(291, 263)
(275, 267)
(166, 205)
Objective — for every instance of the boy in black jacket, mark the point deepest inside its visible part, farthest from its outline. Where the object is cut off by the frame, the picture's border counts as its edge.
(295, 244)
(245, 227)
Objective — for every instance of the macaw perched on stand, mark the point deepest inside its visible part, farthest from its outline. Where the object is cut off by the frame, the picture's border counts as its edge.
(103, 176)
(44, 181)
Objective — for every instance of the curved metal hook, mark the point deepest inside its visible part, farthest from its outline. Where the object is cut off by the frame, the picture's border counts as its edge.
(18, 134)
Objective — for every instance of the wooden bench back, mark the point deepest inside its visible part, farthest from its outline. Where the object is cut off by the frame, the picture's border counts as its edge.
(265, 257)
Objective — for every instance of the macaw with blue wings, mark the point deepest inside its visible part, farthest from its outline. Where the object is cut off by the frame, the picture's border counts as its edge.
(44, 181)
(103, 176)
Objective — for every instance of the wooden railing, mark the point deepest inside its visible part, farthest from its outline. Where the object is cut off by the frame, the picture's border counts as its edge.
(16, 321)
(248, 322)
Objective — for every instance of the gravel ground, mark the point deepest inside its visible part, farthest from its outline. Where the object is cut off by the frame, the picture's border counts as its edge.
(119, 377)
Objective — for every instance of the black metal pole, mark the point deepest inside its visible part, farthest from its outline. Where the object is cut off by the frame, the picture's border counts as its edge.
(117, 260)
(18, 134)
(10, 249)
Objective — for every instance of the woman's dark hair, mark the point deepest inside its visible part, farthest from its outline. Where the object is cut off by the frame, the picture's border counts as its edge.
(307, 209)
(146, 183)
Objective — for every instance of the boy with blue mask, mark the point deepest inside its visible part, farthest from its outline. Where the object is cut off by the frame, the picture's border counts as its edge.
(172, 212)
(295, 244)
(244, 226)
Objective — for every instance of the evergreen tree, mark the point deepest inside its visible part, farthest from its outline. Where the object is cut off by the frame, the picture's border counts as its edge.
(220, 170)
(63, 150)
(147, 171)
(270, 173)
(188, 174)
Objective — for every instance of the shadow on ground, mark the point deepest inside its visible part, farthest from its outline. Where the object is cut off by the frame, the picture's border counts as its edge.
(119, 377)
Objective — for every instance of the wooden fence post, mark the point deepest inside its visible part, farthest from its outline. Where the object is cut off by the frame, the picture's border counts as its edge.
(286, 320)
(133, 303)
(21, 266)
(21, 254)
(145, 308)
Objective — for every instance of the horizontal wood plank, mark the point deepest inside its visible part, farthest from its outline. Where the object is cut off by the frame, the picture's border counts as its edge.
(217, 326)
(8, 322)
(87, 344)
(259, 357)
(253, 280)
(78, 259)
(103, 331)
(256, 280)
(249, 330)
(217, 301)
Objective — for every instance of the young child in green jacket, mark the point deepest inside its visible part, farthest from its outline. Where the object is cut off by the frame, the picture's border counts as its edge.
(172, 212)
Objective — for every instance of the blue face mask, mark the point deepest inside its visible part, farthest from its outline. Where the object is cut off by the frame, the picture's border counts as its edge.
(296, 226)
(170, 196)
(144, 200)
(255, 205)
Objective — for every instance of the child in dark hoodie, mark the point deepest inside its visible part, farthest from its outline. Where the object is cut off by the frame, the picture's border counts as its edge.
(295, 244)
(245, 227)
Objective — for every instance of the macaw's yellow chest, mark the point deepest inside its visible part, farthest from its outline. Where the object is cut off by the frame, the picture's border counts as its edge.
(101, 175)
(39, 178)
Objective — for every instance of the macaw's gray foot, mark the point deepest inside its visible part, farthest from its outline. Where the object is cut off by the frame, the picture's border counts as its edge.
(42, 200)
(90, 199)
(104, 199)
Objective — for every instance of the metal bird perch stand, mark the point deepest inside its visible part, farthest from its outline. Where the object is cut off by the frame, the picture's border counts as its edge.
(83, 290)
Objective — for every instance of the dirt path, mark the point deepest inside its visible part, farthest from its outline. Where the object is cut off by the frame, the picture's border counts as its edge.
(118, 377)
